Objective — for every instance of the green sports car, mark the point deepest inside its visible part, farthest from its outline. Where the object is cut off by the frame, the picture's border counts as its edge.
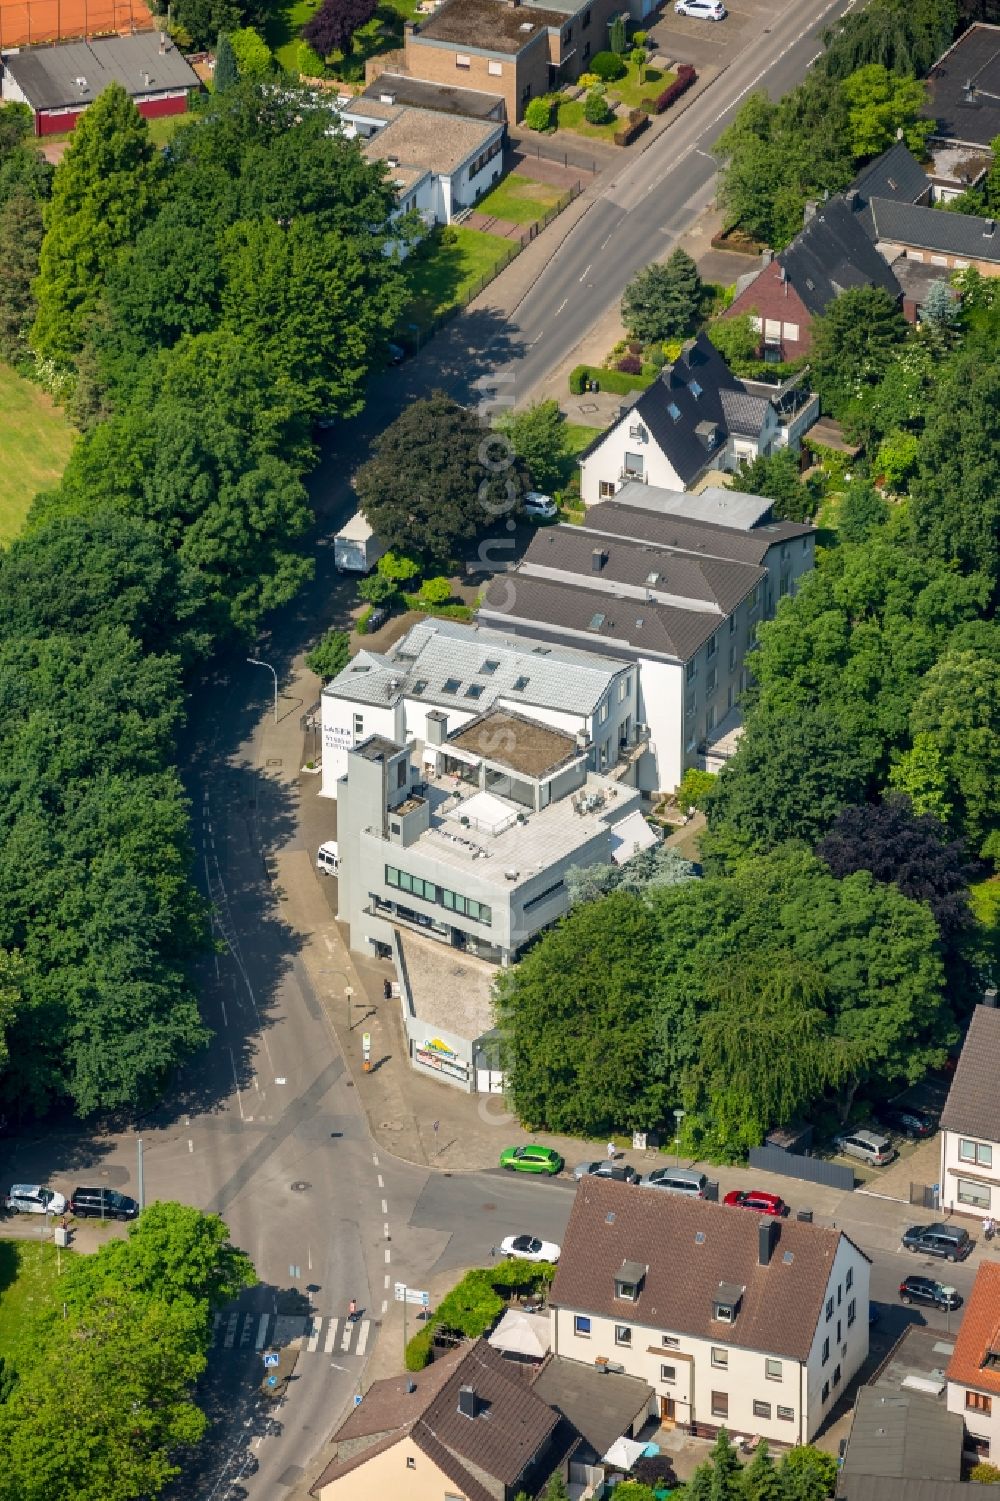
(531, 1159)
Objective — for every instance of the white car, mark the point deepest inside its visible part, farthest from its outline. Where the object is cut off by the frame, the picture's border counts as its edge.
(328, 858)
(32, 1198)
(702, 10)
(542, 507)
(529, 1248)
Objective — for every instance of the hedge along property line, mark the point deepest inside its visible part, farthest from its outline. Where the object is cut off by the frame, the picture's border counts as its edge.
(637, 122)
(686, 76)
(618, 381)
(474, 1304)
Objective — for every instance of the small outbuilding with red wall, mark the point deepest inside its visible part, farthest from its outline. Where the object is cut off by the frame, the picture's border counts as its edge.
(59, 82)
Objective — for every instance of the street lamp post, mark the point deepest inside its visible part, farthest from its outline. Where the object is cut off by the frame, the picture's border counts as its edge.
(348, 994)
(256, 662)
(678, 1117)
(348, 990)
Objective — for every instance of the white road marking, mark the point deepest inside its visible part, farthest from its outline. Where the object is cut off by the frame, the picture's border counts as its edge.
(385, 1206)
(387, 1256)
(385, 1229)
(337, 1367)
(386, 1284)
(380, 1183)
(265, 1319)
(375, 1159)
(362, 1344)
(230, 1338)
(331, 1336)
(247, 1334)
(385, 1306)
(236, 1081)
(560, 307)
(315, 1325)
(345, 1343)
(190, 1145)
(585, 274)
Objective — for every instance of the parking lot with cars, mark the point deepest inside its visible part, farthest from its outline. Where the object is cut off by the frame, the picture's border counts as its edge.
(698, 39)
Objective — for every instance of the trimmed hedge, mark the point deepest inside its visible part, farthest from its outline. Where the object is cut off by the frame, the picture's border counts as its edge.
(361, 624)
(686, 76)
(474, 1304)
(446, 612)
(610, 380)
(637, 122)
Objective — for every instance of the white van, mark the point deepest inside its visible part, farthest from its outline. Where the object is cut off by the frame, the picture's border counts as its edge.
(328, 858)
(33, 1198)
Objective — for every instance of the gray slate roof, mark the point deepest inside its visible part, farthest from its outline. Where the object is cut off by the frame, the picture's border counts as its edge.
(895, 174)
(665, 529)
(716, 504)
(436, 652)
(973, 1104)
(47, 75)
(974, 58)
(833, 254)
(600, 1405)
(438, 96)
(905, 1434)
(883, 1488)
(931, 229)
(567, 549)
(684, 438)
(601, 615)
(690, 1247)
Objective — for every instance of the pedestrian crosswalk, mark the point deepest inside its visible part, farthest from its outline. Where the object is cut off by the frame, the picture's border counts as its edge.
(319, 1335)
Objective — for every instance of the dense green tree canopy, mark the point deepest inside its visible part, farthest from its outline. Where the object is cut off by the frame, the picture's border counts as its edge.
(777, 476)
(537, 435)
(662, 300)
(880, 104)
(853, 345)
(905, 36)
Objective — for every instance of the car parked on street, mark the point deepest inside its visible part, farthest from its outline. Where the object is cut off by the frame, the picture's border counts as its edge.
(531, 1159)
(34, 1198)
(606, 1167)
(873, 1147)
(756, 1198)
(702, 10)
(677, 1180)
(909, 1121)
(925, 1290)
(529, 1248)
(950, 1241)
(102, 1204)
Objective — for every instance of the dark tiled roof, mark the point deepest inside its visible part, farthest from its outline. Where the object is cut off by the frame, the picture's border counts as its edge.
(973, 1106)
(882, 1488)
(440, 96)
(570, 549)
(975, 59)
(904, 1433)
(895, 174)
(47, 75)
(665, 529)
(685, 438)
(490, 24)
(965, 235)
(690, 1247)
(659, 630)
(979, 1334)
(743, 413)
(388, 1404)
(601, 1406)
(510, 1430)
(832, 254)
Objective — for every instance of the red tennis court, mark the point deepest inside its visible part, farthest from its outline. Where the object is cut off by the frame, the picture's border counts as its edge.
(23, 22)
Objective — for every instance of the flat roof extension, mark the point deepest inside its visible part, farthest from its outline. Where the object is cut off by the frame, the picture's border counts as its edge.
(507, 739)
(489, 25)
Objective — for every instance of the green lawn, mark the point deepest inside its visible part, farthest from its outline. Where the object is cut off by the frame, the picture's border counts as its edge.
(166, 127)
(35, 442)
(28, 1275)
(520, 200)
(569, 116)
(382, 33)
(578, 436)
(631, 92)
(442, 274)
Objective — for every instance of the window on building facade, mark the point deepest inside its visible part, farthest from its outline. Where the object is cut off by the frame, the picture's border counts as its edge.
(791, 332)
(670, 1342)
(411, 1463)
(852, 1312)
(772, 1370)
(733, 658)
(633, 465)
(712, 680)
(732, 625)
(494, 68)
(980, 1152)
(826, 1350)
(690, 670)
(428, 891)
(624, 688)
(720, 1404)
(979, 1402)
(462, 60)
(836, 1375)
(761, 1409)
(581, 1325)
(975, 1194)
(849, 1279)
(720, 1357)
(585, 20)
(712, 647)
(825, 1392)
(786, 1414)
(829, 1309)
(606, 488)
(623, 1334)
(668, 1374)
(359, 726)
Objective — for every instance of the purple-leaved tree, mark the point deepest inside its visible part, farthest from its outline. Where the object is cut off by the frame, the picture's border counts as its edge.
(335, 23)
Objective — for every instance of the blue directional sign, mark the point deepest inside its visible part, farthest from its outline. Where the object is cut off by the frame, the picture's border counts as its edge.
(357, 1399)
(272, 1380)
(271, 1358)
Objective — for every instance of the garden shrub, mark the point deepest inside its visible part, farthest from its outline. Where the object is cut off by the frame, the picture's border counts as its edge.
(596, 110)
(653, 75)
(538, 115)
(361, 624)
(577, 376)
(637, 122)
(588, 80)
(630, 364)
(639, 38)
(418, 1349)
(608, 67)
(637, 56)
(686, 76)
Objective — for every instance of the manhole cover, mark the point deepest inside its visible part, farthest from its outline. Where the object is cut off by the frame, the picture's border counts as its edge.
(489, 1206)
(104, 1173)
(300, 1187)
(273, 761)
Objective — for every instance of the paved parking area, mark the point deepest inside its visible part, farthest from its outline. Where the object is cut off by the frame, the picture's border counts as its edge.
(712, 43)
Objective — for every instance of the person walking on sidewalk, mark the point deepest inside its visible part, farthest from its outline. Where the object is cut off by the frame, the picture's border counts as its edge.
(989, 1227)
(611, 1151)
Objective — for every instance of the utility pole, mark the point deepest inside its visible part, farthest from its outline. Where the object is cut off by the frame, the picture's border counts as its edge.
(142, 1181)
(256, 662)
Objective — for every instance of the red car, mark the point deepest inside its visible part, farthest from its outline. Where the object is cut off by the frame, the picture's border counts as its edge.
(757, 1199)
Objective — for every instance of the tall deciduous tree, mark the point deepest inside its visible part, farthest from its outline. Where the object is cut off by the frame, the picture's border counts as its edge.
(334, 24)
(205, 20)
(777, 476)
(881, 104)
(105, 188)
(854, 344)
(20, 244)
(661, 301)
(436, 478)
(538, 436)
(905, 36)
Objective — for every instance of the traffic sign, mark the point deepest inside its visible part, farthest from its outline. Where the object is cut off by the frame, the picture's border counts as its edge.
(406, 1294)
(357, 1399)
(272, 1380)
(271, 1358)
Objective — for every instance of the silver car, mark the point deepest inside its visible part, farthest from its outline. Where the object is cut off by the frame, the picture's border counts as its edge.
(33, 1198)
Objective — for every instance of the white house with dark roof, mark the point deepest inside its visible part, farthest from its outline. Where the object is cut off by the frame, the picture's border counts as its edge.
(681, 598)
(753, 1325)
(970, 1123)
(696, 416)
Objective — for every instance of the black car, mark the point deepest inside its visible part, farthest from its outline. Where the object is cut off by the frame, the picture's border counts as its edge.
(925, 1290)
(102, 1204)
(909, 1121)
(950, 1241)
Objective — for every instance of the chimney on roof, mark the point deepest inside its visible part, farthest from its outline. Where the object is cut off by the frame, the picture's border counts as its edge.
(768, 1233)
(163, 42)
(989, 225)
(437, 728)
(468, 1405)
(853, 200)
(598, 558)
(969, 92)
